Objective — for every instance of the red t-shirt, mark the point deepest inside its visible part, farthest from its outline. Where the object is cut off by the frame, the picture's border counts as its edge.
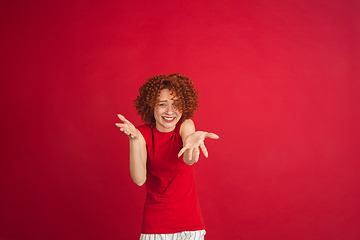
(171, 202)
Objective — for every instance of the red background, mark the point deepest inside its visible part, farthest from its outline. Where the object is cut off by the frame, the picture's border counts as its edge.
(278, 81)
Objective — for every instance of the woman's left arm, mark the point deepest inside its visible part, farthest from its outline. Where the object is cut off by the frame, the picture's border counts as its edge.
(192, 141)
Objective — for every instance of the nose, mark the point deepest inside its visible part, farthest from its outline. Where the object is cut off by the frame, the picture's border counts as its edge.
(170, 109)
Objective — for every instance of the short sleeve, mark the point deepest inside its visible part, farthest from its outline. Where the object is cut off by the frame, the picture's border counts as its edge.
(146, 132)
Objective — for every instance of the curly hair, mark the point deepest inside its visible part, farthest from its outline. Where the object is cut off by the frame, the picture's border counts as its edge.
(179, 85)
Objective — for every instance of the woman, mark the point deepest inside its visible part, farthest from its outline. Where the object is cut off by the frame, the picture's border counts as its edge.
(166, 104)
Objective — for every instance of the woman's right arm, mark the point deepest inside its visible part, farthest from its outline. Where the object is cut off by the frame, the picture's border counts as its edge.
(138, 154)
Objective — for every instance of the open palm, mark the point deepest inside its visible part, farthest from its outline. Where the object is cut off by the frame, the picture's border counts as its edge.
(195, 141)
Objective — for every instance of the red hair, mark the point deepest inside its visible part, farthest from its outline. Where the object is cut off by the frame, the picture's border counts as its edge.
(179, 85)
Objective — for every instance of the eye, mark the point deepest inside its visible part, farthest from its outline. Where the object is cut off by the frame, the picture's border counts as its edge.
(162, 105)
(175, 104)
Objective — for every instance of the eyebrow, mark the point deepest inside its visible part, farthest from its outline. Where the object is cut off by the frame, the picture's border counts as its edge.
(174, 100)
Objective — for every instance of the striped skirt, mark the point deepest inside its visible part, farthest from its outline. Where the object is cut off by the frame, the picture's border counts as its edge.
(187, 235)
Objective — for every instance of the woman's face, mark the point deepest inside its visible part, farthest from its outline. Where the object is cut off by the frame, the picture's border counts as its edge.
(166, 116)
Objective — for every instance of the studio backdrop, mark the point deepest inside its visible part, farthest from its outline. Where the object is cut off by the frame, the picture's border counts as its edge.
(278, 82)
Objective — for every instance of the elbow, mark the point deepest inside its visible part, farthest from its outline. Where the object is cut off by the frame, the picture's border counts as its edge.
(139, 182)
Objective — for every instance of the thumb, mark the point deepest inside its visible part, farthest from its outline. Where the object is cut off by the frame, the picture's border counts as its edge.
(212, 136)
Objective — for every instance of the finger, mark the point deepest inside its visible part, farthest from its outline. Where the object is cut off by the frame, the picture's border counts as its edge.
(128, 132)
(196, 154)
(119, 125)
(182, 151)
(190, 153)
(204, 150)
(212, 136)
(122, 118)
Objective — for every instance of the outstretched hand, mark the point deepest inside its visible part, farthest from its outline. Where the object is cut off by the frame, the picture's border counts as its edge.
(127, 127)
(195, 141)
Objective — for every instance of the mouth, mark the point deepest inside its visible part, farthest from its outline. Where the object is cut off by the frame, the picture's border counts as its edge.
(169, 119)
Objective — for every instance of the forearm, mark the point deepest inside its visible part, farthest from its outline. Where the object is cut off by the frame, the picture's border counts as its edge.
(187, 128)
(137, 161)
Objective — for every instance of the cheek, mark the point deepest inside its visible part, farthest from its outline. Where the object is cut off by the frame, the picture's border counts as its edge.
(157, 112)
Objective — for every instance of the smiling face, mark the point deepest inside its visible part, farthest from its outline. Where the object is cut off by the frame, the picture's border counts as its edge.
(165, 113)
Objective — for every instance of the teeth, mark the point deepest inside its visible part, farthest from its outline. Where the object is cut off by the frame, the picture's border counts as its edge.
(166, 118)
